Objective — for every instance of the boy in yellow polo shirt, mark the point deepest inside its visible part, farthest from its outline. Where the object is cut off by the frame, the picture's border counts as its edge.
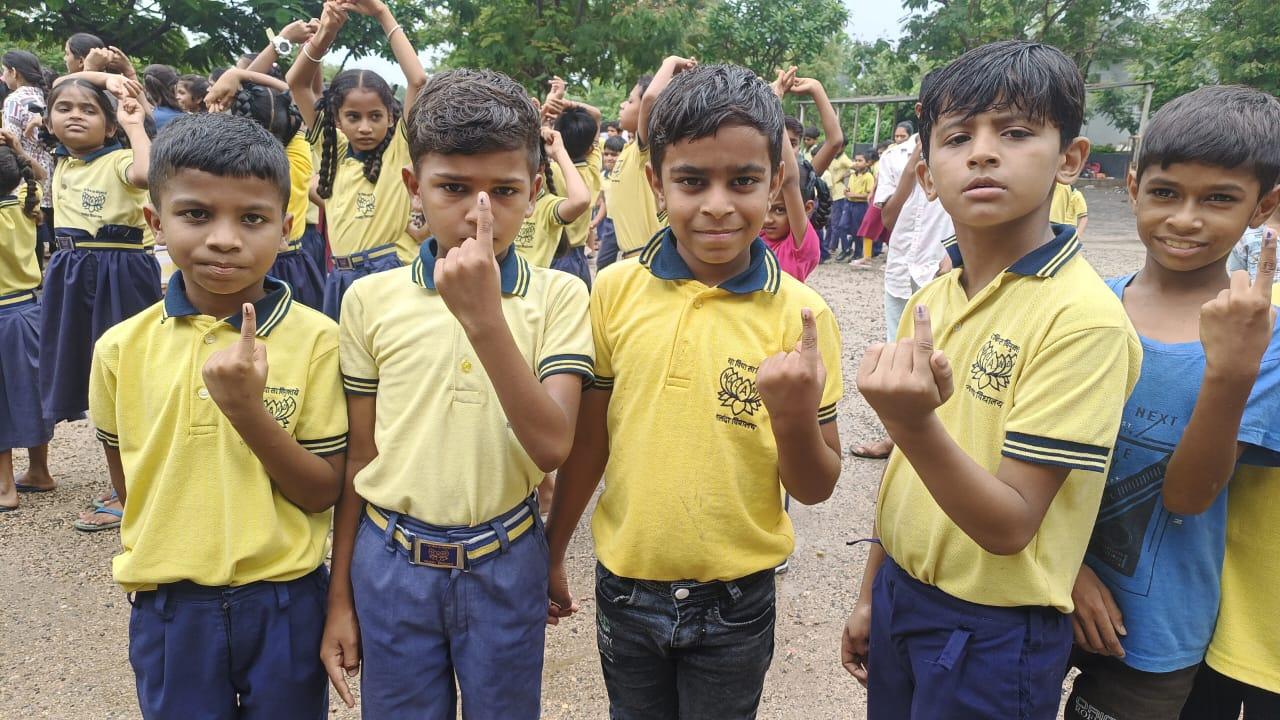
(463, 374)
(1069, 208)
(989, 498)
(711, 397)
(227, 463)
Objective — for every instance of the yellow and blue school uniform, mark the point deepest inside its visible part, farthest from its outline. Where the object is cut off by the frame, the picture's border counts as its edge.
(365, 221)
(687, 549)
(103, 271)
(293, 264)
(452, 525)
(313, 242)
(540, 233)
(574, 259)
(22, 424)
(1044, 358)
(632, 206)
(227, 572)
(1068, 206)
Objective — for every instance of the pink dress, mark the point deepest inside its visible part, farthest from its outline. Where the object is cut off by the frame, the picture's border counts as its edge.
(797, 262)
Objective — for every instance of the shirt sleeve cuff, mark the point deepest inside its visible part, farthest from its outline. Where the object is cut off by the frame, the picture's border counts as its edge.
(110, 439)
(1048, 451)
(359, 386)
(557, 364)
(325, 446)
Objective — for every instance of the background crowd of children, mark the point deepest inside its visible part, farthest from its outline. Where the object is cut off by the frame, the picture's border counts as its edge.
(291, 306)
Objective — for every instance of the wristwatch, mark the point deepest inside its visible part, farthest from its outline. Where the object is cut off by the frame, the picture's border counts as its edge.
(282, 45)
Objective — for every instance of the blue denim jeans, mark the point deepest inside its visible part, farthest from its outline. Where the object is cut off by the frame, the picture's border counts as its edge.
(697, 651)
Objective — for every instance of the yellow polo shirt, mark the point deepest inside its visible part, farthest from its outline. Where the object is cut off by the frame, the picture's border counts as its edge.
(589, 170)
(94, 191)
(539, 234)
(362, 215)
(1068, 205)
(446, 453)
(691, 488)
(19, 271)
(1246, 641)
(200, 505)
(839, 168)
(861, 184)
(1044, 359)
(632, 206)
(300, 171)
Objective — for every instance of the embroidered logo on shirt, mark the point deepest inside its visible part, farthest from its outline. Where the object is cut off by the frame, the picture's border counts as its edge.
(992, 370)
(281, 403)
(92, 202)
(365, 204)
(738, 394)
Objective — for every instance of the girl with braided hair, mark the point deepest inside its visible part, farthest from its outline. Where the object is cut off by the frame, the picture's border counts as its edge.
(23, 113)
(358, 130)
(803, 202)
(22, 422)
(159, 82)
(267, 101)
(542, 234)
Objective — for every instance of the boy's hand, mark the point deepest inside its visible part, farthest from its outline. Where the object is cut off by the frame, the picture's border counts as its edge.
(130, 113)
(552, 141)
(235, 376)
(300, 31)
(98, 59)
(122, 87)
(340, 649)
(855, 642)
(467, 277)
(332, 18)
(679, 64)
(790, 383)
(121, 63)
(560, 602)
(557, 85)
(222, 93)
(371, 8)
(906, 381)
(1235, 327)
(782, 85)
(1097, 621)
(806, 86)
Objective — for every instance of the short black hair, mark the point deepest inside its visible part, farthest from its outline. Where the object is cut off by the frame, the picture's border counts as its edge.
(220, 144)
(642, 83)
(811, 132)
(579, 131)
(1032, 78)
(469, 112)
(700, 101)
(613, 124)
(1227, 126)
(793, 126)
(614, 143)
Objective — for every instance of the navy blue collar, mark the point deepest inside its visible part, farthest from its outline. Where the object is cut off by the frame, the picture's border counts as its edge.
(1045, 261)
(271, 308)
(62, 151)
(664, 261)
(360, 155)
(513, 270)
(5, 199)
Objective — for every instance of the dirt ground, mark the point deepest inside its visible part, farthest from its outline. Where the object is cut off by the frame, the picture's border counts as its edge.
(63, 638)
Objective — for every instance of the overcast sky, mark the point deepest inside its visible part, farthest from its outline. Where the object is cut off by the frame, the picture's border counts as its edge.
(868, 20)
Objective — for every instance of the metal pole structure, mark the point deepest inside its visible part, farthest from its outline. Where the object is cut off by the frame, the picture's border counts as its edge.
(1142, 122)
(801, 113)
(857, 109)
(875, 136)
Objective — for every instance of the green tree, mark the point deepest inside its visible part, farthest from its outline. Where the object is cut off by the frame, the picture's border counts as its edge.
(765, 35)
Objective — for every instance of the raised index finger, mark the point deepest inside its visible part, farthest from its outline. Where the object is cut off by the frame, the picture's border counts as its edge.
(484, 220)
(248, 329)
(808, 333)
(1266, 277)
(923, 337)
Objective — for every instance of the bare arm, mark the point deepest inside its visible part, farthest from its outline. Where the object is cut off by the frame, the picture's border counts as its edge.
(834, 144)
(577, 195)
(115, 469)
(130, 116)
(410, 65)
(578, 477)
(304, 75)
(794, 201)
(671, 67)
(906, 185)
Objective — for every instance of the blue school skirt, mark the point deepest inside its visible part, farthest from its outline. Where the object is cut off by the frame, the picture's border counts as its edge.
(299, 270)
(22, 424)
(93, 282)
(313, 246)
(349, 268)
(575, 263)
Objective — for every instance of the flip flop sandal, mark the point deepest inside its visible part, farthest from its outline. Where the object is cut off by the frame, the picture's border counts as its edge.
(6, 508)
(83, 526)
(99, 503)
(854, 451)
(24, 488)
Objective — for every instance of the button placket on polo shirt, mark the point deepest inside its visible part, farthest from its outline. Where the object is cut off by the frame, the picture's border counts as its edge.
(681, 369)
(203, 341)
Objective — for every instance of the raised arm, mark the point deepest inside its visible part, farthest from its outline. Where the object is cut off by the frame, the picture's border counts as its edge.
(306, 68)
(403, 50)
(296, 32)
(791, 197)
(220, 95)
(577, 195)
(671, 67)
(834, 144)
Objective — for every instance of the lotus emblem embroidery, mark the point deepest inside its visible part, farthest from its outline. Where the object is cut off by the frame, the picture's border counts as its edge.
(738, 393)
(281, 409)
(92, 201)
(994, 368)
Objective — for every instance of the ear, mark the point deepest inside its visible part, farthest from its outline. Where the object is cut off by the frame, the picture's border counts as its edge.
(533, 194)
(808, 207)
(918, 109)
(410, 180)
(925, 179)
(655, 183)
(152, 216)
(287, 225)
(1072, 160)
(1266, 206)
(1131, 182)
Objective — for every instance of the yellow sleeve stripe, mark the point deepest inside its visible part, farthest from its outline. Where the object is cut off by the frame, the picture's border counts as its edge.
(110, 439)
(557, 364)
(359, 386)
(325, 446)
(827, 414)
(1048, 451)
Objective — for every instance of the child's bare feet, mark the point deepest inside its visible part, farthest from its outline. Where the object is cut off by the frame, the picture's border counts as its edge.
(8, 492)
(36, 480)
(8, 498)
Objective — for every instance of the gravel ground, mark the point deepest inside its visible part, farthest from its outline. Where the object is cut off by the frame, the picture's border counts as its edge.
(63, 642)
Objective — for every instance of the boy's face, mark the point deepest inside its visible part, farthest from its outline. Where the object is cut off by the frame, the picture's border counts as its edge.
(859, 163)
(608, 158)
(222, 232)
(447, 187)
(613, 131)
(716, 191)
(793, 140)
(997, 167)
(629, 111)
(1191, 214)
(810, 141)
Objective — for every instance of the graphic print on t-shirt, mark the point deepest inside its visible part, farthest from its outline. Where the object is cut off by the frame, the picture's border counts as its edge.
(1132, 520)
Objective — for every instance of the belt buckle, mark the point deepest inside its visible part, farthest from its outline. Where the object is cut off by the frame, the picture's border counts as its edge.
(344, 263)
(64, 242)
(446, 556)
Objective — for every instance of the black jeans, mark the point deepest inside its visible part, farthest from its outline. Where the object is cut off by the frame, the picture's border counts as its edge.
(697, 651)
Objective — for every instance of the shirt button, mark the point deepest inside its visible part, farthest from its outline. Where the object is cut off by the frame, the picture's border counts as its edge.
(697, 305)
(203, 393)
(466, 366)
(208, 339)
(682, 593)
